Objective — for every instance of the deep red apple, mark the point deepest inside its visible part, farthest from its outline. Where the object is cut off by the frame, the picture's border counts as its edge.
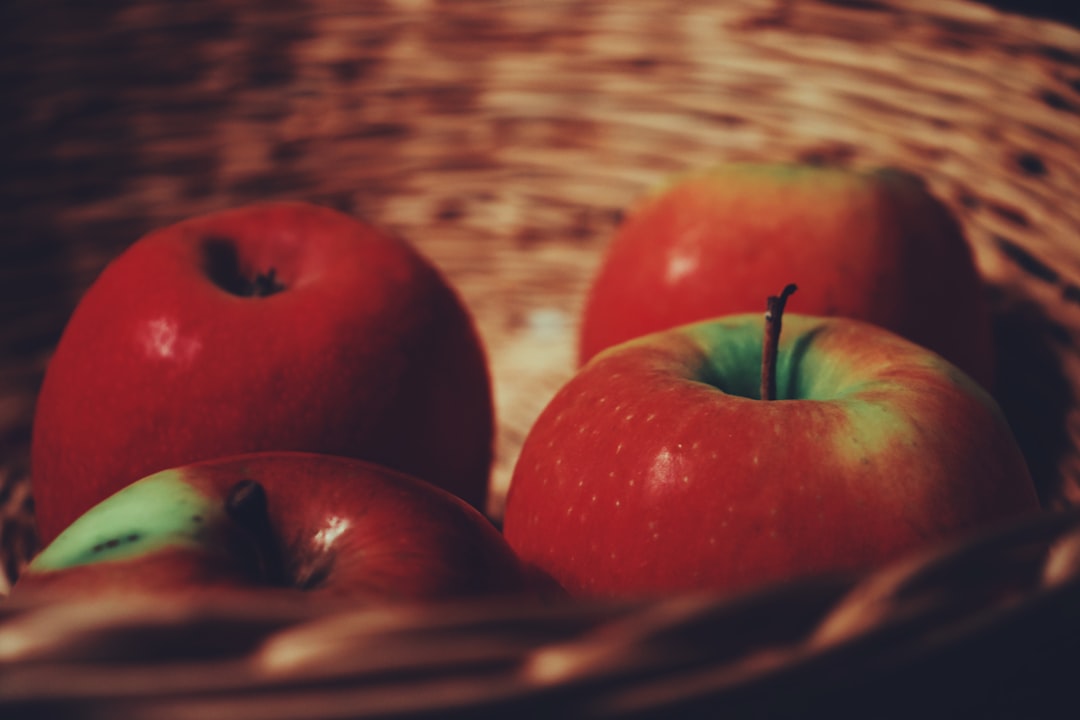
(659, 467)
(337, 528)
(270, 327)
(875, 246)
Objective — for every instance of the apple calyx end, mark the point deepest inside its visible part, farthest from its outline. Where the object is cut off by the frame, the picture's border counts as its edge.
(774, 313)
(224, 268)
(246, 505)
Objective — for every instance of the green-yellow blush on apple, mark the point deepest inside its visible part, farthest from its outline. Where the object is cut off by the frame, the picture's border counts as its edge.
(661, 466)
(282, 522)
(161, 512)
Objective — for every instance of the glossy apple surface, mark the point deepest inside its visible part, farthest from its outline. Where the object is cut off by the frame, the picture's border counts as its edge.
(874, 246)
(269, 327)
(658, 468)
(333, 527)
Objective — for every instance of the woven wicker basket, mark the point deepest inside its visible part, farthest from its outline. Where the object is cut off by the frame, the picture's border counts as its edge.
(504, 139)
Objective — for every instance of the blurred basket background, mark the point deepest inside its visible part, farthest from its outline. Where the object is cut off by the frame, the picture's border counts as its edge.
(505, 139)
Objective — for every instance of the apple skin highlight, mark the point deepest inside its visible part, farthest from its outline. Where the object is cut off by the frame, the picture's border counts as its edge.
(657, 468)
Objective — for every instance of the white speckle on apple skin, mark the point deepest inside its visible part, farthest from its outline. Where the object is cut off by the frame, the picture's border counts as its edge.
(681, 265)
(161, 339)
(335, 526)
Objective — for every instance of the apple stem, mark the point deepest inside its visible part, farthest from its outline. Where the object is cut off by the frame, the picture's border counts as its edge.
(266, 284)
(246, 505)
(773, 320)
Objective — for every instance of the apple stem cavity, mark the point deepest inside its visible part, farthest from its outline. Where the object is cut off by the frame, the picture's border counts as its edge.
(246, 505)
(266, 284)
(770, 347)
(223, 267)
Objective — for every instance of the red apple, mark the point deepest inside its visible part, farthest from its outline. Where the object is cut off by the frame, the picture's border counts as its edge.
(335, 527)
(659, 467)
(269, 327)
(874, 246)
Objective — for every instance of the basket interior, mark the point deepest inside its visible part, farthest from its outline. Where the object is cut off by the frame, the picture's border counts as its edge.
(506, 139)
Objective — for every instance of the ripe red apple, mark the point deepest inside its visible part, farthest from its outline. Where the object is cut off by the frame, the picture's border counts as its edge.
(659, 467)
(336, 527)
(270, 327)
(874, 246)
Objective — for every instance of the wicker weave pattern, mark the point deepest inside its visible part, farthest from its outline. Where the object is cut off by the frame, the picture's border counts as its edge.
(942, 635)
(505, 139)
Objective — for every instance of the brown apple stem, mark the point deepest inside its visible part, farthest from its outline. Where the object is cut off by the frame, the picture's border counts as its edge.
(246, 506)
(774, 314)
(266, 284)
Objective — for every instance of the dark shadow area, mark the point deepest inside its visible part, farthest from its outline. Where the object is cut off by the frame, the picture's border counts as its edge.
(1033, 392)
(1067, 11)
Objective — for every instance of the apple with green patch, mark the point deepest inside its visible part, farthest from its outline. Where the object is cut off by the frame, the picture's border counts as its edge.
(721, 455)
(304, 525)
(871, 245)
(279, 326)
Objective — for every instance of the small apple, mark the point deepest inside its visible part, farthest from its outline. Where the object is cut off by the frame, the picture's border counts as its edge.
(874, 246)
(337, 528)
(281, 326)
(664, 465)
